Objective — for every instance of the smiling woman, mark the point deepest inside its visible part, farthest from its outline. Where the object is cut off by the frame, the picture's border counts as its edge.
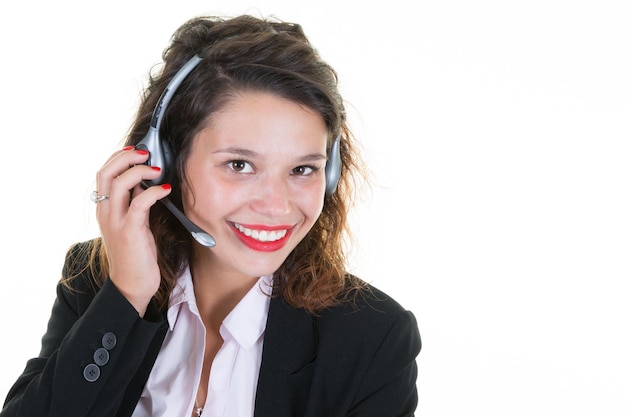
(254, 148)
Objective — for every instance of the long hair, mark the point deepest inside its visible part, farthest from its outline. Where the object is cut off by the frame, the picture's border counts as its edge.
(250, 54)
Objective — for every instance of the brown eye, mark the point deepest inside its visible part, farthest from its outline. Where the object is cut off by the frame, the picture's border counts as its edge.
(303, 170)
(240, 166)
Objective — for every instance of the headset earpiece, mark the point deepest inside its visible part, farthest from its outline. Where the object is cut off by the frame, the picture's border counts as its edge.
(333, 166)
(160, 156)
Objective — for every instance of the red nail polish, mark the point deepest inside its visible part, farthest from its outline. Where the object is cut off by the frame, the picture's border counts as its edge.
(166, 186)
(156, 168)
(128, 148)
(142, 152)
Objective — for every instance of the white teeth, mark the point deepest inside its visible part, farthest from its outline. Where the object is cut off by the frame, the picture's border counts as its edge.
(262, 235)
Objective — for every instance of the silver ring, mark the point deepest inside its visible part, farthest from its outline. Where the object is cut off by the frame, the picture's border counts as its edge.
(96, 198)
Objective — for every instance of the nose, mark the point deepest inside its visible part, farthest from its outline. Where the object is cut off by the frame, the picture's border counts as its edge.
(272, 197)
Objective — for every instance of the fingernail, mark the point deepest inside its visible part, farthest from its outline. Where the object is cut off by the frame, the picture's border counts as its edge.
(128, 148)
(166, 186)
(156, 168)
(142, 152)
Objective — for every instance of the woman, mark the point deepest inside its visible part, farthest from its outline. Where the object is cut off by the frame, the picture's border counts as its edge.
(244, 131)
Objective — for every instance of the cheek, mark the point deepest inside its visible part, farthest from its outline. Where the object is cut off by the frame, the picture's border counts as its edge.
(199, 193)
(208, 196)
(312, 203)
(203, 187)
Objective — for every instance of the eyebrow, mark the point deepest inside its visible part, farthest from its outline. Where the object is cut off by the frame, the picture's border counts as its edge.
(237, 151)
(247, 153)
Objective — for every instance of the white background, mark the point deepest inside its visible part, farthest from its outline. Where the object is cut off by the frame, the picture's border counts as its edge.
(495, 131)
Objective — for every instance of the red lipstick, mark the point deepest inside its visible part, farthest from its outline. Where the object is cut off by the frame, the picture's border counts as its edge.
(262, 238)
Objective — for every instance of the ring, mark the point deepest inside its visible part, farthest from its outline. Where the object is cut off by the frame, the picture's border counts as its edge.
(96, 198)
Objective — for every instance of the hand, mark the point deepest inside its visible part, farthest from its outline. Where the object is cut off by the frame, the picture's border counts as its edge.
(124, 224)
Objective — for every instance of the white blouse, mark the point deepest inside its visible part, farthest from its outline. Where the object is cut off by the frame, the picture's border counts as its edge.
(172, 385)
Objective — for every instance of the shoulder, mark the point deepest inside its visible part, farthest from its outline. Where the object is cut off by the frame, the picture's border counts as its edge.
(368, 345)
(82, 277)
(365, 302)
(369, 315)
(82, 270)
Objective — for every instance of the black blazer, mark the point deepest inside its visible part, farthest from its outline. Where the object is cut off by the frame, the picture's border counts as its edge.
(357, 359)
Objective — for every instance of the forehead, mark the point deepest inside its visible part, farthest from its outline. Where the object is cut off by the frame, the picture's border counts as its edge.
(261, 119)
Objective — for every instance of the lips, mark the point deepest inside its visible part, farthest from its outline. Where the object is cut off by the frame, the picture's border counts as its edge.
(262, 238)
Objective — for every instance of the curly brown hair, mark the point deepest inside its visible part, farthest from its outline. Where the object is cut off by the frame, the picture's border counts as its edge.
(251, 54)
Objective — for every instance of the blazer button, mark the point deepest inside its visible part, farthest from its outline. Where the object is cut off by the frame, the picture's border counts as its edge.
(109, 340)
(91, 372)
(101, 357)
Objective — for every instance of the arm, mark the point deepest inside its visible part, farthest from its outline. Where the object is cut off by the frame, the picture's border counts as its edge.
(389, 386)
(93, 356)
(55, 383)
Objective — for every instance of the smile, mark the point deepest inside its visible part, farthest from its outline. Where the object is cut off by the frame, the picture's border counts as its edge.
(262, 238)
(262, 235)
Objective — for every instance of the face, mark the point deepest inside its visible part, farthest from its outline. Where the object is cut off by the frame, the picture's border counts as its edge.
(256, 182)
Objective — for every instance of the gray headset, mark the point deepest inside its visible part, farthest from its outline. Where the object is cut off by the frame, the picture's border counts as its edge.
(161, 154)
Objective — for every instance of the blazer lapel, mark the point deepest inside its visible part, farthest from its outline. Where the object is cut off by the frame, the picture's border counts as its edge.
(289, 351)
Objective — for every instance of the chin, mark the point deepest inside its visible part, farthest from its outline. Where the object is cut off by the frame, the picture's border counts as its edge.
(263, 269)
(260, 272)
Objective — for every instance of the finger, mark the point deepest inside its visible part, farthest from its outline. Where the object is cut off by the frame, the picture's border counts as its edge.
(141, 204)
(115, 166)
(119, 162)
(122, 187)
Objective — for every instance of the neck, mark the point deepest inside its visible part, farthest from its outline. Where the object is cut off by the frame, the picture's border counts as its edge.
(217, 292)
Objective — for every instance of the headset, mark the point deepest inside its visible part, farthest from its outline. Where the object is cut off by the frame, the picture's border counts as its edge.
(160, 154)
